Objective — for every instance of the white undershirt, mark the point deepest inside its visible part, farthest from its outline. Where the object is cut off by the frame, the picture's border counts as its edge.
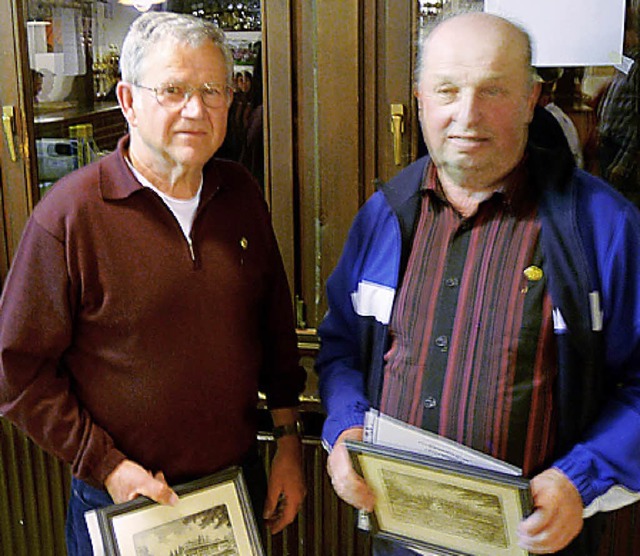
(183, 209)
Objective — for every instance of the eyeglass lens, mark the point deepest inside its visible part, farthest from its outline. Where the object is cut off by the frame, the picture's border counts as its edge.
(213, 96)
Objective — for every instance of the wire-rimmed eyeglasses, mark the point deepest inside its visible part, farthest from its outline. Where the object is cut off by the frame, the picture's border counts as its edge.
(176, 95)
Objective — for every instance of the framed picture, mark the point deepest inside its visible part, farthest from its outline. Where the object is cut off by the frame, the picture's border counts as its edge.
(445, 507)
(213, 517)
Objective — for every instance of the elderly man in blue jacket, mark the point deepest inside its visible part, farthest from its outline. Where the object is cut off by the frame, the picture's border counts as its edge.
(491, 293)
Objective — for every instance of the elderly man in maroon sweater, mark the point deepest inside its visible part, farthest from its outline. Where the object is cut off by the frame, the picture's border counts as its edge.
(147, 304)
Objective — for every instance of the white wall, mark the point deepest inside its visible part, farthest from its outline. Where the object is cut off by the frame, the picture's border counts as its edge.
(110, 25)
(568, 32)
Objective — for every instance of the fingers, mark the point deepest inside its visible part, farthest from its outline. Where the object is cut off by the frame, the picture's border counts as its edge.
(274, 507)
(346, 482)
(130, 480)
(273, 514)
(158, 491)
(557, 518)
(536, 523)
(284, 513)
(286, 490)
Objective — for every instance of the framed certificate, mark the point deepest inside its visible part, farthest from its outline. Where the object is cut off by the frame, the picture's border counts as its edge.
(213, 516)
(445, 507)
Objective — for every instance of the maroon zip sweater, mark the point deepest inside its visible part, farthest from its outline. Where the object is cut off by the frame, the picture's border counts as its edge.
(118, 339)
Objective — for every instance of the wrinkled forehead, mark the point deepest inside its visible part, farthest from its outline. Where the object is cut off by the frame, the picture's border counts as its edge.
(171, 55)
(468, 44)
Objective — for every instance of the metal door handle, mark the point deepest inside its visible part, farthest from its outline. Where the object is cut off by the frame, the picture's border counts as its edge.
(8, 127)
(397, 128)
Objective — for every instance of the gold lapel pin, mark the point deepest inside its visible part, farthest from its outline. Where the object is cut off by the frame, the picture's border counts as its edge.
(244, 245)
(533, 273)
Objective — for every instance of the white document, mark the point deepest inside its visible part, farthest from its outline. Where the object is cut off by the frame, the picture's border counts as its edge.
(383, 430)
(91, 517)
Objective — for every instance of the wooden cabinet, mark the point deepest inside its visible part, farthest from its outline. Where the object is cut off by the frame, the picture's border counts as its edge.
(106, 118)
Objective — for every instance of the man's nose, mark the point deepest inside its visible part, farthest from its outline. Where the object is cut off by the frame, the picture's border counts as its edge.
(469, 108)
(194, 104)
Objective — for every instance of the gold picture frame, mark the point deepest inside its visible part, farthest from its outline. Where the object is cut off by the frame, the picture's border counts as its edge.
(444, 507)
(214, 517)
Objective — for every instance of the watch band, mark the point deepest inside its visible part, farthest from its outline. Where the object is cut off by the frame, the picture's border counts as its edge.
(288, 429)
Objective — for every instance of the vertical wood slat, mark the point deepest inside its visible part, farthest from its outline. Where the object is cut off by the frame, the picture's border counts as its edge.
(14, 534)
(10, 534)
(43, 498)
(33, 497)
(30, 517)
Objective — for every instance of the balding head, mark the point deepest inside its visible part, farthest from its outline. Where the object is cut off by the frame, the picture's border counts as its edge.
(476, 98)
(479, 26)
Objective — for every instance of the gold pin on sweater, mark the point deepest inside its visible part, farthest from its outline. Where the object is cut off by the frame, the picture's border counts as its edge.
(244, 245)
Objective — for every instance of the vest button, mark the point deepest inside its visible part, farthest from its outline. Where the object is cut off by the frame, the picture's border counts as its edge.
(430, 402)
(442, 342)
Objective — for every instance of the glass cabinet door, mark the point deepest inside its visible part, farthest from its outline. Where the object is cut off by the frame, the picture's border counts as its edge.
(74, 50)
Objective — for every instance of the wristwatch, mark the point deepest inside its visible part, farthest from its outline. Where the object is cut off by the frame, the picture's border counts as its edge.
(290, 428)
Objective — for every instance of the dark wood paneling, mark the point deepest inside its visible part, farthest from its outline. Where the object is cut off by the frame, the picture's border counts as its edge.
(34, 491)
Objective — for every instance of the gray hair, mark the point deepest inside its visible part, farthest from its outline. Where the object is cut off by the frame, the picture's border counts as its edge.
(425, 39)
(154, 28)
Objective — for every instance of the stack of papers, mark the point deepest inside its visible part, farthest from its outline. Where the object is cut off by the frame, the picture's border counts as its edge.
(382, 430)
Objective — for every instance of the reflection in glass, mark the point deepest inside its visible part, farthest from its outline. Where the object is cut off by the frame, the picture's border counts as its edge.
(244, 141)
(74, 50)
(429, 11)
(228, 15)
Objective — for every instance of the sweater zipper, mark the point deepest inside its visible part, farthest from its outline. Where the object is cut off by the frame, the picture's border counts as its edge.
(191, 250)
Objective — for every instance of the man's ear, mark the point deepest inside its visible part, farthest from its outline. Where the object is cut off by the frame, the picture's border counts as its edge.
(124, 94)
(416, 93)
(533, 99)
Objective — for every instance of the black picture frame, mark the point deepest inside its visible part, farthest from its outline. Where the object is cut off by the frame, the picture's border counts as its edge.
(444, 507)
(214, 513)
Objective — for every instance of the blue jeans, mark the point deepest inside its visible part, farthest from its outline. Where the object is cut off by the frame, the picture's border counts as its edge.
(85, 497)
(383, 547)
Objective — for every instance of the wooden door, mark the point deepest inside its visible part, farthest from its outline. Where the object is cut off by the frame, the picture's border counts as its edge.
(17, 161)
(350, 61)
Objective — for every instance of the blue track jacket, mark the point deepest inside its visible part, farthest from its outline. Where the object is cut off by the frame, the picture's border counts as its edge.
(590, 239)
